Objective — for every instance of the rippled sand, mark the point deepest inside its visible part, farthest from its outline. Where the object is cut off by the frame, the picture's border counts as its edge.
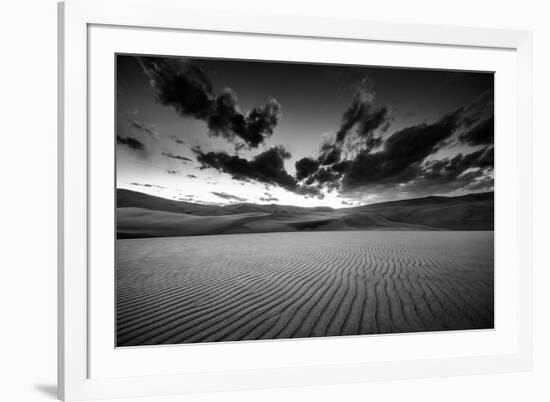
(302, 284)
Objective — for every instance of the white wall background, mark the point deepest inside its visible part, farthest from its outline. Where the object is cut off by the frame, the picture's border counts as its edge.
(28, 200)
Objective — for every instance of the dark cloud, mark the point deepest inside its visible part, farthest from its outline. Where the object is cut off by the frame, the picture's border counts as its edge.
(448, 169)
(305, 167)
(372, 121)
(479, 108)
(266, 167)
(269, 199)
(480, 134)
(191, 176)
(325, 177)
(178, 157)
(132, 143)
(364, 117)
(362, 120)
(169, 171)
(401, 152)
(472, 172)
(253, 129)
(329, 153)
(402, 163)
(181, 84)
(465, 172)
(226, 196)
(359, 108)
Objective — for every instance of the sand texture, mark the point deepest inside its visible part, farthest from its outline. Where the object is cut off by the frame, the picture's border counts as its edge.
(301, 284)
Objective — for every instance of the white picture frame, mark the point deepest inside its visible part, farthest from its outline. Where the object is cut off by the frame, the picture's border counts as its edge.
(77, 331)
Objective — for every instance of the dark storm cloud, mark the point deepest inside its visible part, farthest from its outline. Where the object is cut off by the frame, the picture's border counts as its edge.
(178, 157)
(180, 84)
(330, 152)
(372, 121)
(226, 196)
(449, 169)
(361, 119)
(184, 86)
(402, 164)
(479, 108)
(359, 109)
(266, 167)
(191, 176)
(361, 116)
(254, 128)
(132, 143)
(396, 159)
(401, 152)
(464, 172)
(305, 167)
(480, 134)
(324, 177)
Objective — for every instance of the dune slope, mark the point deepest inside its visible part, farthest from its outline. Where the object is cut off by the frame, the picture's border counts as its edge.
(142, 215)
(139, 222)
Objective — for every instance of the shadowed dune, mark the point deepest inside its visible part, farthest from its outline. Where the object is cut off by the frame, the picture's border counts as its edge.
(469, 212)
(142, 215)
(139, 222)
(292, 285)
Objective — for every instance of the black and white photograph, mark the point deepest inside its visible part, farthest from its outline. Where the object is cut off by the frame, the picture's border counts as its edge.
(261, 200)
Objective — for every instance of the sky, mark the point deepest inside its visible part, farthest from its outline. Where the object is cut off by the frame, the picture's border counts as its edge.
(221, 131)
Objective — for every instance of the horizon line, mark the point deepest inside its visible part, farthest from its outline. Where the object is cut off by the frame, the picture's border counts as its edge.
(318, 206)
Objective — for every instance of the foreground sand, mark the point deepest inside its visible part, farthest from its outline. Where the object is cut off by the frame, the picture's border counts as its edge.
(301, 284)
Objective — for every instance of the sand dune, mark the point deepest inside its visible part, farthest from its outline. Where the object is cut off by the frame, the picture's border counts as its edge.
(291, 285)
(471, 212)
(142, 215)
(139, 222)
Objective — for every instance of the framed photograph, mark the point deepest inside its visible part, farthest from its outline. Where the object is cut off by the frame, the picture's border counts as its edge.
(263, 201)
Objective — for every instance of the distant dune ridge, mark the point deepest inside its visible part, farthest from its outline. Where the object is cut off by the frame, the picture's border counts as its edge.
(294, 285)
(141, 215)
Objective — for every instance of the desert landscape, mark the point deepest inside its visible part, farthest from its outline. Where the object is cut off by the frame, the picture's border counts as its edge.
(265, 199)
(354, 273)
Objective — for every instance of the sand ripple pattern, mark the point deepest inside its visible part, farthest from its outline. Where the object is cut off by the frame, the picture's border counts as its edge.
(301, 284)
